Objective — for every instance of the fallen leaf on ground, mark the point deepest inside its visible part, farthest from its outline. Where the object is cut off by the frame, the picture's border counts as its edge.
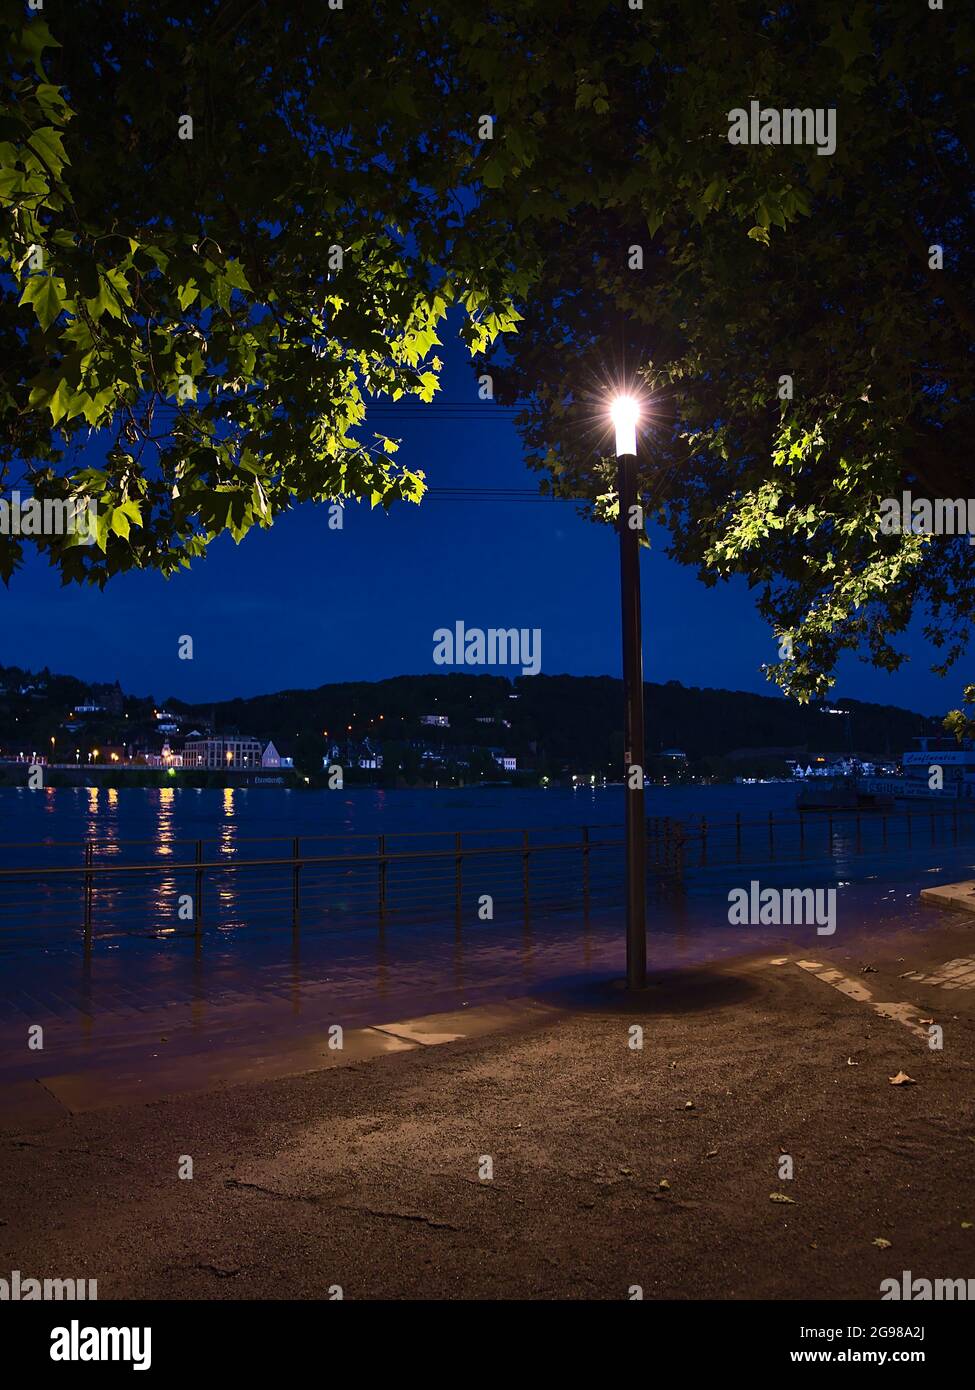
(902, 1079)
(850, 1062)
(966, 1225)
(881, 1244)
(781, 1197)
(710, 1153)
(663, 1183)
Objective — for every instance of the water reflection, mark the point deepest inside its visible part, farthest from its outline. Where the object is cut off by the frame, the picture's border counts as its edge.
(92, 822)
(165, 827)
(226, 884)
(164, 893)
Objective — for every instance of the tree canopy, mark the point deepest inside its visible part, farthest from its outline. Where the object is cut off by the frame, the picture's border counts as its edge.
(799, 325)
(799, 322)
(223, 230)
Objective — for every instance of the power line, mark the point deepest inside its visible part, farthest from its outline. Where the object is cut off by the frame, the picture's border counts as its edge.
(476, 494)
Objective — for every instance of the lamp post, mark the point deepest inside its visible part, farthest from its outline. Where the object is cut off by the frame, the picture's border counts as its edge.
(625, 413)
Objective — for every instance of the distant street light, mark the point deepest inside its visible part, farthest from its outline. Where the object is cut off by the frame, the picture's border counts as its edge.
(625, 414)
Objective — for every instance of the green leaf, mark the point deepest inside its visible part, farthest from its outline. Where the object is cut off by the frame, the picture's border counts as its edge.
(235, 277)
(493, 172)
(45, 293)
(48, 144)
(187, 293)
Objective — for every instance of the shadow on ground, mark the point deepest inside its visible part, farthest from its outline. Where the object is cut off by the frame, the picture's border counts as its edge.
(668, 992)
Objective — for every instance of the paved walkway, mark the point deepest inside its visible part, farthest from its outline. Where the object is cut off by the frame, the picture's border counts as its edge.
(546, 1157)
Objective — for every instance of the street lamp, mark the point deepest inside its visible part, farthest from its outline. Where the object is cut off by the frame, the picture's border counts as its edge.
(625, 414)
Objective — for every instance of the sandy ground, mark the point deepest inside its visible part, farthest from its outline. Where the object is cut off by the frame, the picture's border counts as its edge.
(612, 1166)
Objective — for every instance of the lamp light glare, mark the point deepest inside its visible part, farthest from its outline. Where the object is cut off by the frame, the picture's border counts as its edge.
(625, 413)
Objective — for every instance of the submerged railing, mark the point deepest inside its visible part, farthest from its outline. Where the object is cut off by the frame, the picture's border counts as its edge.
(109, 887)
(229, 886)
(698, 843)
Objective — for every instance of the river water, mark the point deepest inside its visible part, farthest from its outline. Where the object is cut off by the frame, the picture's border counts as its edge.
(248, 942)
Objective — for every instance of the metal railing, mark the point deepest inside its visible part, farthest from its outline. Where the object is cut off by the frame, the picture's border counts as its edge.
(234, 887)
(108, 887)
(681, 847)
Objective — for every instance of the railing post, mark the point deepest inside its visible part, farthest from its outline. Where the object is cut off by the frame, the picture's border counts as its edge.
(585, 870)
(382, 877)
(458, 876)
(525, 851)
(831, 834)
(802, 834)
(89, 884)
(771, 837)
(738, 836)
(198, 891)
(296, 883)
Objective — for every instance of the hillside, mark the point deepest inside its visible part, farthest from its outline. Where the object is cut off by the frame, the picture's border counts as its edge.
(575, 720)
(553, 724)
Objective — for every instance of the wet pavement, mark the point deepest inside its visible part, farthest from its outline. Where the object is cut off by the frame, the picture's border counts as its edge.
(611, 1166)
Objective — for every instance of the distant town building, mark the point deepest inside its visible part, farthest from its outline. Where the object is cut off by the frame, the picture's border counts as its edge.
(272, 758)
(439, 721)
(370, 755)
(365, 754)
(509, 764)
(234, 753)
(166, 758)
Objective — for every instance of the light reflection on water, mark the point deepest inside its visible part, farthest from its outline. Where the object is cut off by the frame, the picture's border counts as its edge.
(247, 941)
(227, 883)
(165, 903)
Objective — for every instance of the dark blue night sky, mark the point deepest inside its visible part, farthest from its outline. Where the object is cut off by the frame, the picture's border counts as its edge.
(301, 605)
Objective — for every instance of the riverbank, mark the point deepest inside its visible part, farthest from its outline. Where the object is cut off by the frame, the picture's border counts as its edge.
(612, 1166)
(135, 777)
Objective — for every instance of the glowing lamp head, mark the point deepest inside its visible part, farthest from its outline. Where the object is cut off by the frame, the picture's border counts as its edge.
(625, 413)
